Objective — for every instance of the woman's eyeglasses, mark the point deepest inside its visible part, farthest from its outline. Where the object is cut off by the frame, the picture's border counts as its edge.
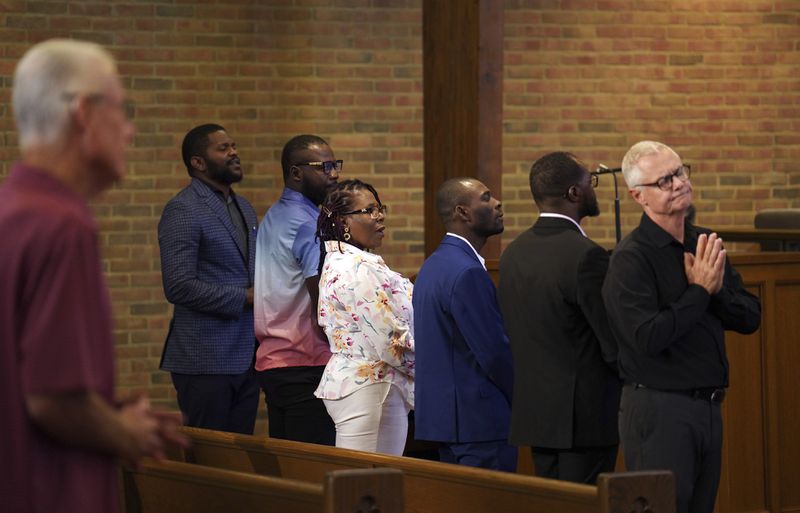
(373, 211)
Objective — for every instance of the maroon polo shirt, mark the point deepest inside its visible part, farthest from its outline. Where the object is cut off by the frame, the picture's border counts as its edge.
(55, 338)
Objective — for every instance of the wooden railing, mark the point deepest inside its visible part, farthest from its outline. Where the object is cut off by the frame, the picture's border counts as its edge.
(433, 487)
(768, 239)
(175, 487)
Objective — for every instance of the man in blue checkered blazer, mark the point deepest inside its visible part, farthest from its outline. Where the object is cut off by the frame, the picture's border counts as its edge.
(207, 238)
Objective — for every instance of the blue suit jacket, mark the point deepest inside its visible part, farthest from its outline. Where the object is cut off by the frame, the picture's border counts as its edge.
(464, 373)
(206, 274)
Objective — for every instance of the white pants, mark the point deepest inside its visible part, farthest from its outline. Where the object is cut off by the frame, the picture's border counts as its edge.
(372, 419)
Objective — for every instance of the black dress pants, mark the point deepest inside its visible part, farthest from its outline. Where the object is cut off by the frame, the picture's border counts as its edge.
(577, 465)
(673, 431)
(218, 401)
(293, 410)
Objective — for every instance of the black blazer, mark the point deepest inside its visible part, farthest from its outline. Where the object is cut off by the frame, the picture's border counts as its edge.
(566, 386)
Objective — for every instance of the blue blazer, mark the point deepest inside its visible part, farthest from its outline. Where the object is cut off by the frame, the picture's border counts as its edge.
(206, 272)
(464, 372)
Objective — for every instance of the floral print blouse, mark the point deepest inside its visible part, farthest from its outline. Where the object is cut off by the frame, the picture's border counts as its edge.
(365, 310)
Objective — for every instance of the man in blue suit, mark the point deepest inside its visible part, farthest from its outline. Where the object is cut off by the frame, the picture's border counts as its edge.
(464, 371)
(207, 240)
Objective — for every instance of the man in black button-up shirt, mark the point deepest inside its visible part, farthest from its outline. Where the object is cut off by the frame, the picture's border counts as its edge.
(670, 293)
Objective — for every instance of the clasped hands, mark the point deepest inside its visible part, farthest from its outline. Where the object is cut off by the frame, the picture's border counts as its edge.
(148, 430)
(707, 266)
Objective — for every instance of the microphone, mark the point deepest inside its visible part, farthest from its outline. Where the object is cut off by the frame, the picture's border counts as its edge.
(602, 169)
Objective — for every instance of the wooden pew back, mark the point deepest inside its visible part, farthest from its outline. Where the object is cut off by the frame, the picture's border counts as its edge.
(432, 486)
(177, 487)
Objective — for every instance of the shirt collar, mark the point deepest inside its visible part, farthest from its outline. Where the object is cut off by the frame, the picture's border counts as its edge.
(562, 216)
(215, 190)
(293, 195)
(332, 246)
(480, 258)
(661, 237)
(39, 180)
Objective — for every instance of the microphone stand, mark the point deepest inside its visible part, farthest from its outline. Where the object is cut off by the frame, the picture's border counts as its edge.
(616, 209)
(602, 169)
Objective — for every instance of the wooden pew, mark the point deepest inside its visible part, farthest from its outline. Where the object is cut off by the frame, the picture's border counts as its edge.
(176, 487)
(433, 487)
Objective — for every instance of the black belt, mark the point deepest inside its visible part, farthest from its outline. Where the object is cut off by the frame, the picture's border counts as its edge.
(712, 394)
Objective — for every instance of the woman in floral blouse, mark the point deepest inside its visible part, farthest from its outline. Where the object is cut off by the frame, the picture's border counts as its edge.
(365, 310)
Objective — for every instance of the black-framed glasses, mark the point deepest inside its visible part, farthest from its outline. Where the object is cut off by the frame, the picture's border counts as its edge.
(373, 211)
(593, 179)
(327, 166)
(665, 182)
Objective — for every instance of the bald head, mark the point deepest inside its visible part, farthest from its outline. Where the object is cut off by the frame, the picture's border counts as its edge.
(467, 208)
(452, 193)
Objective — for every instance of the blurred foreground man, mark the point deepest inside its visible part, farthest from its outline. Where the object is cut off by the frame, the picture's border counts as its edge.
(670, 293)
(61, 427)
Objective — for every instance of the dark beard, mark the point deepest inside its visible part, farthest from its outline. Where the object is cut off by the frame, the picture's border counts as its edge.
(589, 209)
(487, 224)
(222, 174)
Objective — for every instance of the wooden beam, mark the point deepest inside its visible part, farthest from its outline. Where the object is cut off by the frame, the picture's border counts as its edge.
(463, 101)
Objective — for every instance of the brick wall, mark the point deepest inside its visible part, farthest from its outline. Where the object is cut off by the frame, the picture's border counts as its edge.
(719, 80)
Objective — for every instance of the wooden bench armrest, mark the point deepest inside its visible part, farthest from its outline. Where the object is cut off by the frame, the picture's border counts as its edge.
(177, 487)
(639, 492)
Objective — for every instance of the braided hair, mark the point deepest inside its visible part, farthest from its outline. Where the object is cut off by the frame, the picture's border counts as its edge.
(330, 223)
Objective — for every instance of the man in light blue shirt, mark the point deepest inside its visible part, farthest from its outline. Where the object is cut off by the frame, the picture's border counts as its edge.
(293, 350)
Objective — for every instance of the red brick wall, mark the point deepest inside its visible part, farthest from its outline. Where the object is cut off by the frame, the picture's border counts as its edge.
(718, 80)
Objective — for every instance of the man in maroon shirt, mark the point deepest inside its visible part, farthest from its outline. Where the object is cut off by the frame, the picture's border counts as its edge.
(61, 427)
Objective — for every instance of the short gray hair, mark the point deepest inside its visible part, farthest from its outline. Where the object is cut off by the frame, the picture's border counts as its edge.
(630, 163)
(47, 77)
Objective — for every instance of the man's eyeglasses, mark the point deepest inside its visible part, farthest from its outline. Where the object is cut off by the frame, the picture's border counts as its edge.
(374, 211)
(665, 182)
(127, 107)
(593, 179)
(327, 167)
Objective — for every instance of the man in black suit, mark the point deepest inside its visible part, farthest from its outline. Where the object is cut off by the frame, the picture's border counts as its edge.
(566, 387)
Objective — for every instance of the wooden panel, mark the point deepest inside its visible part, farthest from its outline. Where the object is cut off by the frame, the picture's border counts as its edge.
(744, 418)
(637, 491)
(364, 491)
(432, 487)
(758, 235)
(787, 391)
(463, 101)
(429, 486)
(226, 450)
(762, 463)
(177, 487)
(173, 487)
